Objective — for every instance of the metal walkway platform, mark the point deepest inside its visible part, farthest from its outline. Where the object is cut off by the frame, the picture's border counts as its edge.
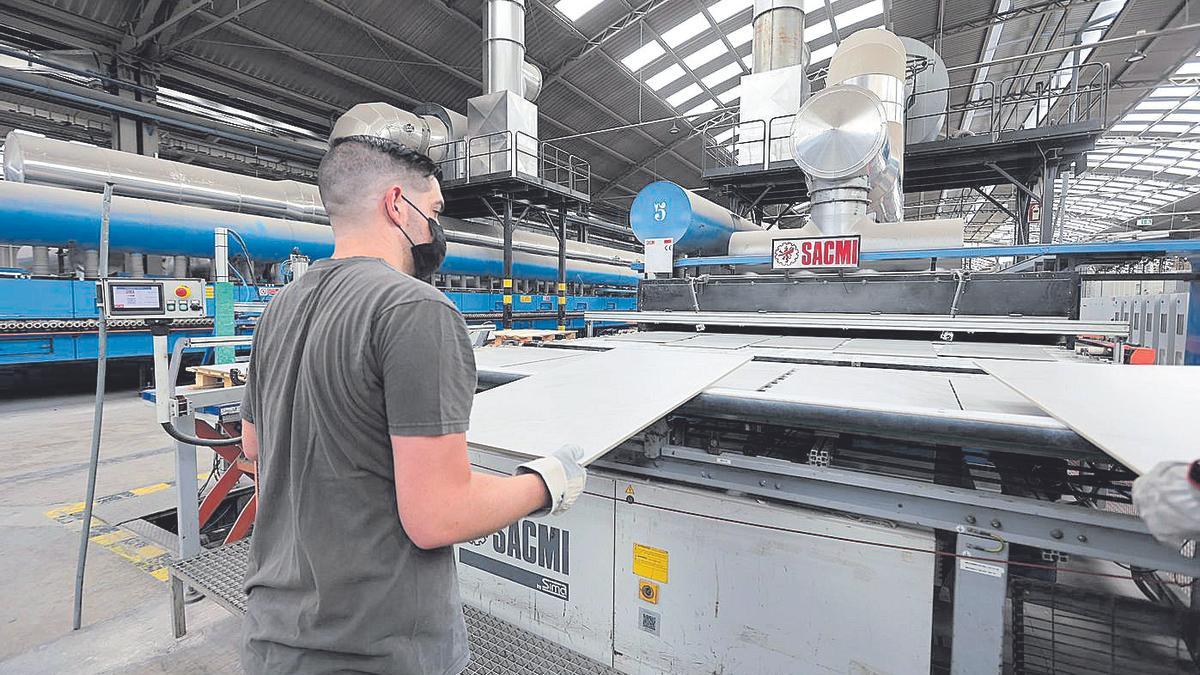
(497, 647)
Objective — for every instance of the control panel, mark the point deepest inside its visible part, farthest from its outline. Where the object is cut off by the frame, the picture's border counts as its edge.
(153, 299)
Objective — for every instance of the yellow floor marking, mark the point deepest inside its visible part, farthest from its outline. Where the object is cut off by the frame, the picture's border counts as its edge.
(149, 557)
(150, 489)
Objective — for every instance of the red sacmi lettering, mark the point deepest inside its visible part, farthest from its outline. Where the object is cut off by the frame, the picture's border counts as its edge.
(830, 247)
(806, 253)
(846, 253)
(817, 258)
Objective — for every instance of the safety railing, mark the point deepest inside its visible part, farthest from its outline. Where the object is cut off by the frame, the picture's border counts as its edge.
(986, 110)
(508, 154)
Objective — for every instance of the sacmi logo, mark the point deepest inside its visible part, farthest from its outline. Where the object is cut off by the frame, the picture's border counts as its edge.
(537, 544)
(529, 542)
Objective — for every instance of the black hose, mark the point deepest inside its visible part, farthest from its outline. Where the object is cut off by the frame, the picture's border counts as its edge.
(196, 440)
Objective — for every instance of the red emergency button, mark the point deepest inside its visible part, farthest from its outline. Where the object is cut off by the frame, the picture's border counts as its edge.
(181, 291)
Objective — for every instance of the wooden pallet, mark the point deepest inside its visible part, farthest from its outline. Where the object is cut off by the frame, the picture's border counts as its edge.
(529, 336)
(220, 376)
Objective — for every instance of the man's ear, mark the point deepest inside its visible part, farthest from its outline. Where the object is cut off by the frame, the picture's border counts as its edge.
(392, 205)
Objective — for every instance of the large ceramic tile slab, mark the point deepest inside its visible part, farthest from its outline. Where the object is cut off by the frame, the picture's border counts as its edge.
(995, 350)
(596, 402)
(1138, 415)
(504, 357)
(803, 342)
(656, 336)
(719, 341)
(874, 387)
(984, 393)
(887, 347)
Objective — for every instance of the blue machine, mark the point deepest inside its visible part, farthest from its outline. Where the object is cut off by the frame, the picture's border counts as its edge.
(664, 210)
(50, 320)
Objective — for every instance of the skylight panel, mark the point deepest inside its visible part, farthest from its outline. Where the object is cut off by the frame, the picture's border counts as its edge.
(643, 55)
(721, 75)
(726, 8)
(684, 95)
(741, 36)
(859, 14)
(705, 54)
(685, 31)
(723, 137)
(1129, 127)
(1173, 92)
(1191, 68)
(1170, 128)
(573, 9)
(665, 77)
(708, 106)
(730, 95)
(823, 53)
(816, 31)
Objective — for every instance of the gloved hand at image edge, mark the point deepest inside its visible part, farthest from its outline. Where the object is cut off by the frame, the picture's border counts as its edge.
(1168, 500)
(563, 475)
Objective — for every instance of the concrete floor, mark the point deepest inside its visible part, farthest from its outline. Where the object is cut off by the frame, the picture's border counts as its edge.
(44, 444)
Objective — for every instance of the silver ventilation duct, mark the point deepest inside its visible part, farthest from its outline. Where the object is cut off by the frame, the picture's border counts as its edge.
(504, 46)
(45, 161)
(849, 138)
(777, 87)
(778, 27)
(927, 93)
(423, 130)
(533, 81)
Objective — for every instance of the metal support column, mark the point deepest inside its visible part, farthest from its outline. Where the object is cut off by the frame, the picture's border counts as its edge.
(1191, 344)
(979, 591)
(187, 514)
(1021, 227)
(562, 267)
(130, 134)
(507, 282)
(1046, 225)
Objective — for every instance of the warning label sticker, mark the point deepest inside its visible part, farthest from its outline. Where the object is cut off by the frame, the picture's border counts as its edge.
(980, 568)
(650, 562)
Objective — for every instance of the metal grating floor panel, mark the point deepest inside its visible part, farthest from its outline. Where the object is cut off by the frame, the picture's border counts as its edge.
(1061, 630)
(497, 646)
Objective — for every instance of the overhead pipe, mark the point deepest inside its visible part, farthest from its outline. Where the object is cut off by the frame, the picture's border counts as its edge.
(44, 161)
(504, 46)
(43, 216)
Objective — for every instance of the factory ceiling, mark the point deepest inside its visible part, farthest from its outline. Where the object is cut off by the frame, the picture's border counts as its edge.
(290, 67)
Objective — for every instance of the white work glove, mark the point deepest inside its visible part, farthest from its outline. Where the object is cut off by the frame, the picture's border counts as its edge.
(1169, 503)
(563, 475)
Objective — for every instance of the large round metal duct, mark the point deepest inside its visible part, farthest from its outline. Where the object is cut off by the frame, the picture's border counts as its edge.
(533, 81)
(927, 96)
(504, 46)
(45, 161)
(778, 34)
(386, 121)
(839, 132)
(664, 210)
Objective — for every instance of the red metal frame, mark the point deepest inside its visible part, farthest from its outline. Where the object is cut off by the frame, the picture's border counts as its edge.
(236, 467)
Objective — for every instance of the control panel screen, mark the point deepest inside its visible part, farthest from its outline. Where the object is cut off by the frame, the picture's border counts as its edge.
(136, 298)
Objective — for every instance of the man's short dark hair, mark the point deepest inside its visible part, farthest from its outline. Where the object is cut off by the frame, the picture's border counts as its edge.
(356, 168)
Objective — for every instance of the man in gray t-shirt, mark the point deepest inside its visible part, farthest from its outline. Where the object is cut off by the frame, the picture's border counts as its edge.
(356, 408)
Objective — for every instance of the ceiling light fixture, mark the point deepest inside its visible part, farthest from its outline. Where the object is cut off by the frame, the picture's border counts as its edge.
(1136, 56)
(674, 127)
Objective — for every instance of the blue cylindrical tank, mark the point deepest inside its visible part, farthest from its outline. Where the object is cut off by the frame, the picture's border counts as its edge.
(699, 227)
(38, 215)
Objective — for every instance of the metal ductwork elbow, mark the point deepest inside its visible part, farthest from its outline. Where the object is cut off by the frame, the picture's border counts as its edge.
(849, 138)
(425, 130)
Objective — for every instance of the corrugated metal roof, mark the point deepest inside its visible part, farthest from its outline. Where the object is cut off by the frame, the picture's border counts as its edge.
(431, 51)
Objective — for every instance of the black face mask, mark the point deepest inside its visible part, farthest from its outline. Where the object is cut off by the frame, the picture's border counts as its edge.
(427, 257)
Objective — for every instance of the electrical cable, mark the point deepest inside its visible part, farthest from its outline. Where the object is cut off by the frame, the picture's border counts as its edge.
(249, 258)
(97, 416)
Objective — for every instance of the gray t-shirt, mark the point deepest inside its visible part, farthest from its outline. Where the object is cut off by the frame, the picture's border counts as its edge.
(352, 352)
